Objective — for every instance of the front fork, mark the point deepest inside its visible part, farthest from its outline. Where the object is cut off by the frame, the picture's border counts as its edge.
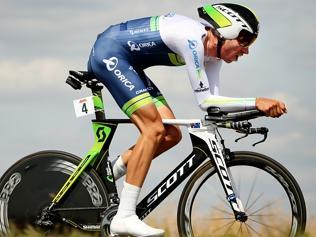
(218, 158)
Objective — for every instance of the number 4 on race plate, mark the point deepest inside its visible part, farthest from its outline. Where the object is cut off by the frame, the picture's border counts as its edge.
(84, 106)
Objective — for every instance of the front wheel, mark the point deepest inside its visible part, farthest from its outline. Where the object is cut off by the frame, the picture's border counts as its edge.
(31, 184)
(270, 195)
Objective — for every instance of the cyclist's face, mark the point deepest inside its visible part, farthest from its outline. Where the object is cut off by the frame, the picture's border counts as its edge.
(232, 49)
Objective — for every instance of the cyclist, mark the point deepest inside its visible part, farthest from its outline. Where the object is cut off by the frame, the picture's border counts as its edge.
(118, 59)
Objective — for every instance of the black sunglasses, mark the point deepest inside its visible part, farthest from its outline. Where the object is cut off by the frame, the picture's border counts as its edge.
(245, 38)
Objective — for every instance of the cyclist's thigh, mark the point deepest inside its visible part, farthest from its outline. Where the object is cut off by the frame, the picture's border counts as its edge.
(110, 63)
(159, 100)
(164, 110)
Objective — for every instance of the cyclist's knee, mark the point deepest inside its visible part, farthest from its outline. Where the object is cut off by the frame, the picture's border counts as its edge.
(173, 134)
(149, 123)
(155, 132)
(178, 136)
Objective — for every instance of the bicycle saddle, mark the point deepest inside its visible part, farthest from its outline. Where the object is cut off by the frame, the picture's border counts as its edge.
(82, 76)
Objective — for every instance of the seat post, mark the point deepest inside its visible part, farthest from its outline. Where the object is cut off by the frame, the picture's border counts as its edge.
(98, 102)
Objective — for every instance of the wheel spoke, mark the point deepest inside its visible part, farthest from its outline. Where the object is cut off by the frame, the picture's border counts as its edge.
(240, 230)
(274, 228)
(219, 218)
(263, 224)
(239, 185)
(220, 197)
(229, 228)
(223, 200)
(229, 224)
(223, 211)
(256, 232)
(246, 226)
(265, 206)
(213, 220)
(262, 215)
(251, 190)
(254, 202)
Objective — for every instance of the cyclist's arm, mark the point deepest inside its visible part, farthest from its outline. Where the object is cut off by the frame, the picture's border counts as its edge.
(226, 104)
(271, 107)
(204, 79)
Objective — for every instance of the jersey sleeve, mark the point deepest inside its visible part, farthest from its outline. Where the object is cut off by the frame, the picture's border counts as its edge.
(226, 104)
(204, 79)
(193, 54)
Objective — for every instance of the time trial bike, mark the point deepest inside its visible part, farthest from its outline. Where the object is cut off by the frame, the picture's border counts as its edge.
(241, 193)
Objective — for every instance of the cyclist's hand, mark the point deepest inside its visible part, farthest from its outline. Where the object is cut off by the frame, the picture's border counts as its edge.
(271, 108)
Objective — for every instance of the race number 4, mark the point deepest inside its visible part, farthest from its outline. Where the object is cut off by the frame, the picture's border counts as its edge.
(84, 106)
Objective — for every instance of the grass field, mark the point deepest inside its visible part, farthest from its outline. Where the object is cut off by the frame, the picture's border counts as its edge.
(169, 225)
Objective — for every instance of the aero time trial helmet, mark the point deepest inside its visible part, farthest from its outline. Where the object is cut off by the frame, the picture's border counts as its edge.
(231, 21)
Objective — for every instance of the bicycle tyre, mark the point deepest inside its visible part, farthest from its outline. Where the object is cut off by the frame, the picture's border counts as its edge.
(190, 222)
(30, 184)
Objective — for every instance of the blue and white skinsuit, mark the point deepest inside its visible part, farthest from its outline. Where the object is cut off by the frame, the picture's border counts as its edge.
(122, 52)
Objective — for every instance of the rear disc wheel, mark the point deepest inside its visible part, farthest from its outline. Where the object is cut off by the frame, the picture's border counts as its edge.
(31, 184)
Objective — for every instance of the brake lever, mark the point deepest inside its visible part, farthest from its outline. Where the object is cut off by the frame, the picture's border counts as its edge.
(264, 131)
(263, 140)
(246, 132)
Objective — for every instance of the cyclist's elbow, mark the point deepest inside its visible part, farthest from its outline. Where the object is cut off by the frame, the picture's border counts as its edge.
(203, 106)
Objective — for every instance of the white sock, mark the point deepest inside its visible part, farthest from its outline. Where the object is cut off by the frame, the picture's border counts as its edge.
(128, 200)
(126, 222)
(119, 168)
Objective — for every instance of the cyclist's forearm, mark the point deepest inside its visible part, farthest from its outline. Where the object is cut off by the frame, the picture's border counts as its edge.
(228, 104)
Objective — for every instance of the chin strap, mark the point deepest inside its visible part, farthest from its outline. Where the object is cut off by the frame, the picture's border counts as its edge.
(220, 42)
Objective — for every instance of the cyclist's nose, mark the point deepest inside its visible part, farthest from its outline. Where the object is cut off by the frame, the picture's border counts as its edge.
(246, 50)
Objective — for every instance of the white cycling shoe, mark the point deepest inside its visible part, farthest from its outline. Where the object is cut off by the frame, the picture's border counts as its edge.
(133, 226)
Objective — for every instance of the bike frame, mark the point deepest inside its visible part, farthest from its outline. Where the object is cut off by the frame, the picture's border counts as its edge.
(205, 146)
